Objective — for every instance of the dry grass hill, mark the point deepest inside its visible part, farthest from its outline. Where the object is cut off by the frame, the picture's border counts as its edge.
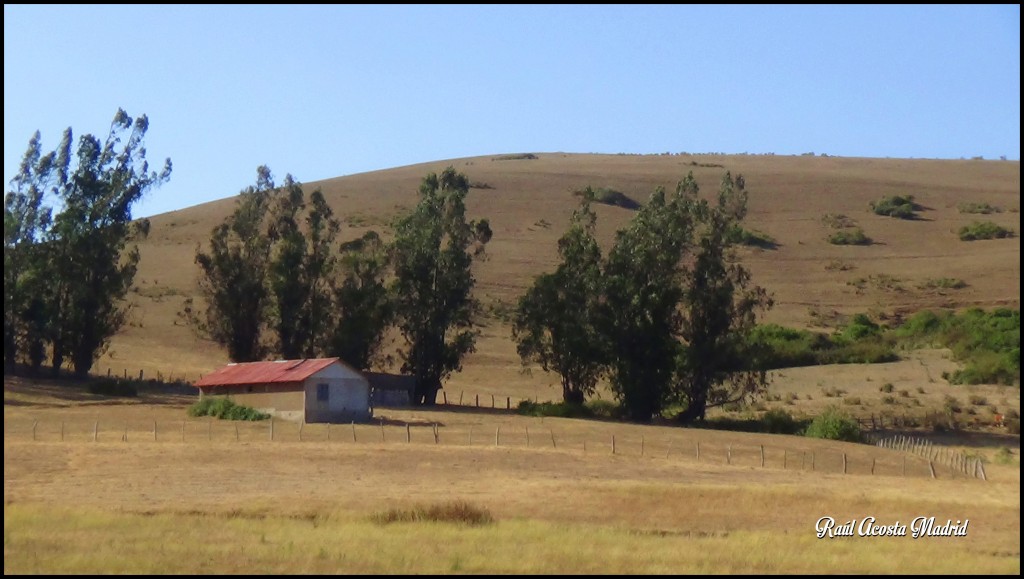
(529, 201)
(96, 484)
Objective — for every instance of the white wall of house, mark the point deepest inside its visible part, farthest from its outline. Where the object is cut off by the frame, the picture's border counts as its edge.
(337, 394)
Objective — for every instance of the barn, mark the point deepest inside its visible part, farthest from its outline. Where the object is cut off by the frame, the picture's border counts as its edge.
(311, 390)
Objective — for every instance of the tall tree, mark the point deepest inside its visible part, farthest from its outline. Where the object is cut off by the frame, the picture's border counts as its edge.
(555, 322)
(87, 244)
(232, 276)
(362, 303)
(25, 222)
(717, 365)
(434, 249)
(640, 315)
(300, 269)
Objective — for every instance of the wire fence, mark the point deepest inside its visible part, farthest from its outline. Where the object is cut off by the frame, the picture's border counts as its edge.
(916, 459)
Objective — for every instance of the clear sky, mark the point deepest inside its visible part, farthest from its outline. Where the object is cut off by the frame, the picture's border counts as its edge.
(325, 91)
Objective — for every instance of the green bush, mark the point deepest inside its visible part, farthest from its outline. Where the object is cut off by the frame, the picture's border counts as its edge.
(849, 237)
(837, 221)
(225, 409)
(902, 207)
(113, 387)
(887, 387)
(834, 424)
(987, 343)
(983, 230)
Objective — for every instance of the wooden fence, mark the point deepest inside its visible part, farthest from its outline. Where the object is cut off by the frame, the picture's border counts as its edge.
(955, 461)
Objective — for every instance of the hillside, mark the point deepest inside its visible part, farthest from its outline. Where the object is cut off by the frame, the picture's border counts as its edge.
(529, 201)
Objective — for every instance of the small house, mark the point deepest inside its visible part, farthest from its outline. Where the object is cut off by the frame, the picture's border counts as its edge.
(310, 390)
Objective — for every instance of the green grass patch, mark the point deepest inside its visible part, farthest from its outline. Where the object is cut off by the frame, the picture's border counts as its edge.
(838, 221)
(589, 409)
(515, 157)
(983, 230)
(774, 421)
(860, 341)
(225, 409)
(943, 283)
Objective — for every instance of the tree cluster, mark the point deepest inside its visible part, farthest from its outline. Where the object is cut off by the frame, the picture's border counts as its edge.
(664, 317)
(275, 282)
(66, 274)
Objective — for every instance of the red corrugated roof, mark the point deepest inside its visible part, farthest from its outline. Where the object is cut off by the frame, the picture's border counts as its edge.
(266, 372)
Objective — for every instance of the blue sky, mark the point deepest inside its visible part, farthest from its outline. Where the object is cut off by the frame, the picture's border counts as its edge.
(325, 91)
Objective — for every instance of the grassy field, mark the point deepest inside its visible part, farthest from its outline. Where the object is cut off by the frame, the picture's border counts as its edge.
(212, 504)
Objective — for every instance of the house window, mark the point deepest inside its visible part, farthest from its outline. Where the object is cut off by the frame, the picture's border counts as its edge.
(322, 392)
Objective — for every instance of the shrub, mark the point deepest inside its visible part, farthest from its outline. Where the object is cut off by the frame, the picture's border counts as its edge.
(603, 408)
(888, 400)
(834, 424)
(943, 283)
(113, 387)
(1004, 456)
(837, 221)
(983, 230)
(225, 409)
(849, 237)
(778, 421)
(752, 237)
(950, 404)
(887, 387)
(609, 196)
(517, 157)
(459, 512)
(902, 207)
(852, 401)
(904, 393)
(977, 400)
(982, 208)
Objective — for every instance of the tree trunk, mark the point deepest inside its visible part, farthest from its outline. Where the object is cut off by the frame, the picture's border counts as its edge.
(426, 392)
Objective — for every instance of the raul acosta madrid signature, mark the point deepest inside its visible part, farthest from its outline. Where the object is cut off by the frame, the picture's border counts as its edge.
(869, 527)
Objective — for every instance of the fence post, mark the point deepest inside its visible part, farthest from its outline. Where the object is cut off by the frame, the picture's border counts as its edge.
(872, 466)
(154, 431)
(328, 431)
(698, 451)
(271, 428)
(408, 435)
(812, 460)
(508, 403)
(353, 431)
(477, 400)
(492, 400)
(728, 455)
(553, 445)
(140, 375)
(844, 463)
(34, 424)
(613, 444)
(497, 434)
(527, 436)
(931, 467)
(124, 437)
(762, 456)
(236, 431)
(460, 397)
(96, 430)
(982, 466)
(669, 451)
(445, 394)
(437, 435)
(382, 429)
(785, 458)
